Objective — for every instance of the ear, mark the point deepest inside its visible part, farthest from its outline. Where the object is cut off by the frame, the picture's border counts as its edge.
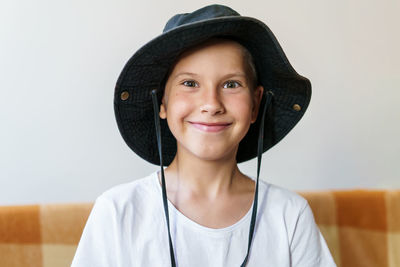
(258, 93)
(163, 109)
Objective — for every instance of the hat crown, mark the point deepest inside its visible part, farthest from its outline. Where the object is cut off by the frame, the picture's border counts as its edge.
(205, 13)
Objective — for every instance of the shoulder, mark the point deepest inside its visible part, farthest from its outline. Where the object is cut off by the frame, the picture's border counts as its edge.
(116, 212)
(281, 200)
(283, 195)
(136, 193)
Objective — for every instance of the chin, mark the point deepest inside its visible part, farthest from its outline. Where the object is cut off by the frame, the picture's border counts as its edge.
(214, 154)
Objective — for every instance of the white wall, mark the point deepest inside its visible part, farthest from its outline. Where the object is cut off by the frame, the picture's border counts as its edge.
(59, 61)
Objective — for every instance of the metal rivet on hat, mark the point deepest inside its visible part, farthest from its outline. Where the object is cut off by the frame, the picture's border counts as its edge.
(296, 107)
(124, 95)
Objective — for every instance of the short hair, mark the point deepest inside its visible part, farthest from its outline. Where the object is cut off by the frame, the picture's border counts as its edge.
(250, 67)
(248, 61)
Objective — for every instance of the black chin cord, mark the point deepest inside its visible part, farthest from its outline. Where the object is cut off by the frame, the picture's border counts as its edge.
(260, 149)
(164, 190)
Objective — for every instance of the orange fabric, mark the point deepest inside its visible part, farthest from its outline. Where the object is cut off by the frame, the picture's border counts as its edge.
(362, 209)
(21, 255)
(363, 248)
(63, 224)
(393, 208)
(20, 224)
(361, 227)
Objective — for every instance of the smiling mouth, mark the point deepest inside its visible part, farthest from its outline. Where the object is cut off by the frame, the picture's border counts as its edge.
(210, 127)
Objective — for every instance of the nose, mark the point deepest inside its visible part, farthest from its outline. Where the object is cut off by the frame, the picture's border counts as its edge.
(211, 102)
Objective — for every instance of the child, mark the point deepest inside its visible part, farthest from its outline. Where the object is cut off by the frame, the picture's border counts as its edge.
(207, 76)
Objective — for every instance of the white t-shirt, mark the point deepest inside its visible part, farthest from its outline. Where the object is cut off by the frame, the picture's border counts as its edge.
(127, 227)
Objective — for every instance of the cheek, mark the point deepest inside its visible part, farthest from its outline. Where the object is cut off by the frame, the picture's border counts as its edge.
(178, 108)
(242, 107)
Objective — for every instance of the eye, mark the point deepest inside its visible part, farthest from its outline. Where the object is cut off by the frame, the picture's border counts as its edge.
(190, 83)
(232, 84)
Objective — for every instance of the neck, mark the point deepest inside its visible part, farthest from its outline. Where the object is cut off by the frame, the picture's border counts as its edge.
(203, 178)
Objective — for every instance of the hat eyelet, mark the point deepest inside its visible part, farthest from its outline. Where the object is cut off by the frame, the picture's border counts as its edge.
(296, 107)
(124, 95)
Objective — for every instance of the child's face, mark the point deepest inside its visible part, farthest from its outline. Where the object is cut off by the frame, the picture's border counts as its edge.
(207, 100)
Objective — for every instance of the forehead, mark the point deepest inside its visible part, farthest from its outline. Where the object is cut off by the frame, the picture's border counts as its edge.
(214, 43)
(213, 49)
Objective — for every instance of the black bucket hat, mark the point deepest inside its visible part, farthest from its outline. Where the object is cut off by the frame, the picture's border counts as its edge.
(146, 70)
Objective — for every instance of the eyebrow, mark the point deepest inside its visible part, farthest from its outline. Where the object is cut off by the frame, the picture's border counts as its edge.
(224, 77)
(184, 73)
(236, 74)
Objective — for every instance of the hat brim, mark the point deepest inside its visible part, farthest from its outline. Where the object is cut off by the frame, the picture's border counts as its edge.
(147, 68)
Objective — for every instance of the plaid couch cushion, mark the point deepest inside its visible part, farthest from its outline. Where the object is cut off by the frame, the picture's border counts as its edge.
(361, 227)
(41, 235)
